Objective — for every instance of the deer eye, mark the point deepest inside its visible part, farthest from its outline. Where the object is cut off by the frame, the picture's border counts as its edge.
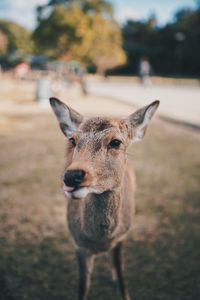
(114, 144)
(72, 141)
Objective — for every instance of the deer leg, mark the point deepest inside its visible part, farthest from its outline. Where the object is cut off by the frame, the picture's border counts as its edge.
(85, 262)
(118, 267)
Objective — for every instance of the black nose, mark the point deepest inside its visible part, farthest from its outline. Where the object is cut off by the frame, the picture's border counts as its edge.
(74, 177)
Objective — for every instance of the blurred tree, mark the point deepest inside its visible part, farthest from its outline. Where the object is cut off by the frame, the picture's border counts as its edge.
(97, 6)
(58, 34)
(41, 9)
(180, 44)
(105, 48)
(172, 49)
(3, 43)
(18, 38)
(188, 41)
(69, 32)
(87, 6)
(139, 40)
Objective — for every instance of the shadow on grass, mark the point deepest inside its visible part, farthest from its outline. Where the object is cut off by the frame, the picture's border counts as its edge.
(165, 266)
(37, 270)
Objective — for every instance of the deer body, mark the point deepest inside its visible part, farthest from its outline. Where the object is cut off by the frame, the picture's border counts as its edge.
(100, 221)
(100, 185)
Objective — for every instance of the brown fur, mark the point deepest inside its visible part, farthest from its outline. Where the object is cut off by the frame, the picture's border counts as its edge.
(100, 220)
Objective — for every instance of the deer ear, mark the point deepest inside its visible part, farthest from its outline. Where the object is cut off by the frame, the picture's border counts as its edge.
(140, 119)
(69, 120)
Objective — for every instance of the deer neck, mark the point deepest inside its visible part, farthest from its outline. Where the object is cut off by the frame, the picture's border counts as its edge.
(101, 214)
(105, 197)
(104, 205)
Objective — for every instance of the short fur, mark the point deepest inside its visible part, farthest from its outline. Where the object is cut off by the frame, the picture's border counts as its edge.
(101, 211)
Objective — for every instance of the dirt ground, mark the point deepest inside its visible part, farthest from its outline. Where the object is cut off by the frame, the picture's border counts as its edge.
(37, 259)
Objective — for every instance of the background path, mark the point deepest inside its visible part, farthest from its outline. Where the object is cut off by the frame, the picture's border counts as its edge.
(181, 103)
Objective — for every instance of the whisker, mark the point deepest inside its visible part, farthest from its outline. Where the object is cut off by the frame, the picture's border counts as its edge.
(130, 154)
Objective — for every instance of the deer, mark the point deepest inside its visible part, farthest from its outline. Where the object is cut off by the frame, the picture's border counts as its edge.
(100, 185)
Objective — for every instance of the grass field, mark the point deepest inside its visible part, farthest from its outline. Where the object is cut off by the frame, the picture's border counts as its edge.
(37, 260)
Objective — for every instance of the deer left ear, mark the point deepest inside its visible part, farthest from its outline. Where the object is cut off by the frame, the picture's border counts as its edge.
(68, 118)
(140, 119)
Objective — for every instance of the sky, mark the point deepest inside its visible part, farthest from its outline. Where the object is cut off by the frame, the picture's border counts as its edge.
(23, 11)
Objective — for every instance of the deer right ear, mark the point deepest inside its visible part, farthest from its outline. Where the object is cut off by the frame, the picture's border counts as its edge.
(140, 119)
(69, 120)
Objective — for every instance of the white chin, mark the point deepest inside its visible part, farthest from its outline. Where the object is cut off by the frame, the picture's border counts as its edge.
(81, 193)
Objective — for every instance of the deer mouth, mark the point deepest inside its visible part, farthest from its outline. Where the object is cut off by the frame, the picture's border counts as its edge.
(75, 192)
(69, 189)
(79, 192)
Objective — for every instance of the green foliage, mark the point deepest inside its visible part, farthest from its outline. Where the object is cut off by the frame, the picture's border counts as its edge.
(18, 38)
(88, 6)
(3, 43)
(61, 31)
(188, 23)
(105, 49)
(97, 6)
(139, 40)
(172, 49)
(71, 33)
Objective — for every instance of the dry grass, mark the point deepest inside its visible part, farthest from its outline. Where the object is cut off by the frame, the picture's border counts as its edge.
(37, 256)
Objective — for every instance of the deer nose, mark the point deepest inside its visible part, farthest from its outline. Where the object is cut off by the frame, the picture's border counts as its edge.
(73, 178)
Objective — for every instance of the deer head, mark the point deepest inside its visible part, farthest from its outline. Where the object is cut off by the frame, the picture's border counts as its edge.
(96, 148)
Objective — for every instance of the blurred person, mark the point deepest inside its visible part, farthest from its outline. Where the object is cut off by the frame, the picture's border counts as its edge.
(144, 71)
(80, 73)
(21, 70)
(76, 73)
(44, 89)
(58, 85)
